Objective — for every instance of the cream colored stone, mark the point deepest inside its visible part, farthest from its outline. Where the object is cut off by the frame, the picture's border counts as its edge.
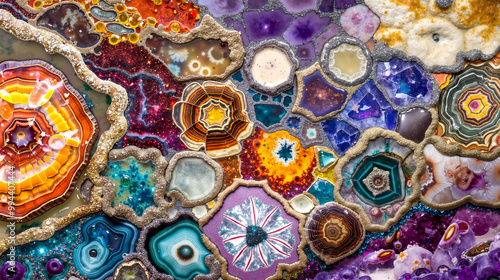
(271, 66)
(200, 211)
(474, 40)
(391, 13)
(461, 14)
(348, 62)
(302, 204)
(435, 41)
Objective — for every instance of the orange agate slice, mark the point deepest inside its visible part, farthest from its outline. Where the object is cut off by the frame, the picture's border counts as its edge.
(46, 134)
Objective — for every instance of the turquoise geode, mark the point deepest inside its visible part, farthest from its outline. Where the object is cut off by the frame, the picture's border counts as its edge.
(370, 183)
(105, 240)
(178, 250)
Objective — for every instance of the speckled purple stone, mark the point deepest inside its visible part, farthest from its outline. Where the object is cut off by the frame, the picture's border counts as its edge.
(296, 6)
(20, 271)
(54, 267)
(305, 28)
(266, 25)
(306, 51)
(223, 7)
(360, 22)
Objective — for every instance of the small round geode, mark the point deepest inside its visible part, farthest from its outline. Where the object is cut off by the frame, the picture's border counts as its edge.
(346, 60)
(270, 67)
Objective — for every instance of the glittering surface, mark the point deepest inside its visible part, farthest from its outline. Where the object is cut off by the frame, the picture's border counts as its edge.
(193, 156)
(47, 133)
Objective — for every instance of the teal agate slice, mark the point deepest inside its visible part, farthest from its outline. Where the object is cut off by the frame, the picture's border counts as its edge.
(179, 251)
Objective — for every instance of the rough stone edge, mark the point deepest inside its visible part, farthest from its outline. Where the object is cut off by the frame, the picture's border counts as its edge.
(276, 90)
(152, 212)
(300, 88)
(354, 213)
(208, 29)
(54, 44)
(174, 194)
(359, 148)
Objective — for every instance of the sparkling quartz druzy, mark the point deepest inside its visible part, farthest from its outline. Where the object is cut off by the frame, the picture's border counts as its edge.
(179, 251)
(404, 82)
(46, 133)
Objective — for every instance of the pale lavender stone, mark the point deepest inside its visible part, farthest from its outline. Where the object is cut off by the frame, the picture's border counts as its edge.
(239, 26)
(296, 6)
(342, 4)
(305, 28)
(327, 35)
(228, 21)
(359, 22)
(306, 51)
(223, 7)
(266, 25)
(256, 4)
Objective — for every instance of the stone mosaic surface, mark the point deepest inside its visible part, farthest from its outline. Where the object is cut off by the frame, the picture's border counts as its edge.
(250, 139)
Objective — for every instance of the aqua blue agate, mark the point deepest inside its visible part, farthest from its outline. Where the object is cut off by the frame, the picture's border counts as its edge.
(105, 240)
(178, 250)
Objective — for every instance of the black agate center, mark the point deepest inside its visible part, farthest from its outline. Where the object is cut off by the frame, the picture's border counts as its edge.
(255, 235)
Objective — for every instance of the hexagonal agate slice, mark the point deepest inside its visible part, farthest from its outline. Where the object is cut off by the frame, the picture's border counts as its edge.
(46, 133)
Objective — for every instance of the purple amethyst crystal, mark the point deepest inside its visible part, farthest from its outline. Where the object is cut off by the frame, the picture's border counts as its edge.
(306, 51)
(327, 35)
(342, 4)
(404, 82)
(256, 4)
(239, 26)
(266, 25)
(305, 28)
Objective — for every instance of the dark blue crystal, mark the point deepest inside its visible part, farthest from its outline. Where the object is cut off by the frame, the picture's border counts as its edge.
(255, 235)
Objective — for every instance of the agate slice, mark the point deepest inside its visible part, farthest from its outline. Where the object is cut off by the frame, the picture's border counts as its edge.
(46, 134)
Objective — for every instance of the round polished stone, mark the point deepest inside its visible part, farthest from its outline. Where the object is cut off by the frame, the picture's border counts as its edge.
(412, 124)
(185, 252)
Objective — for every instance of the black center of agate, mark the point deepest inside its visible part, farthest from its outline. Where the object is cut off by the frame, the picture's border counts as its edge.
(255, 235)
(93, 253)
